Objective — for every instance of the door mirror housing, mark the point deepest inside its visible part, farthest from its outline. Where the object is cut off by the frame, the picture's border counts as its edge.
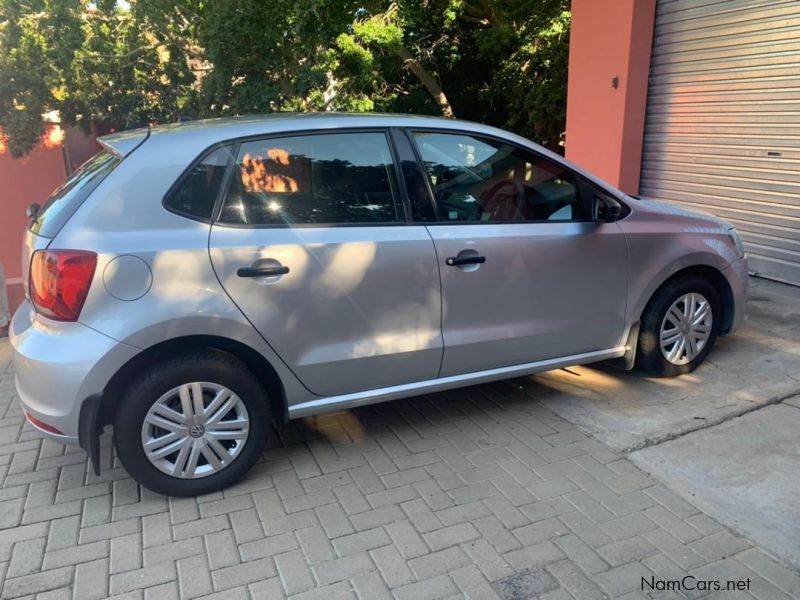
(605, 209)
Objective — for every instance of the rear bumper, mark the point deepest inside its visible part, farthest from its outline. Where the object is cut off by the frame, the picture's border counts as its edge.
(738, 279)
(58, 366)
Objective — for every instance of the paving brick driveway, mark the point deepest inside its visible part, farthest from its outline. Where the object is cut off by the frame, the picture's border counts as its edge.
(478, 492)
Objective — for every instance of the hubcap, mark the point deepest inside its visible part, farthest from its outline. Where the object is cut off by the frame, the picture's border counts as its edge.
(195, 430)
(686, 328)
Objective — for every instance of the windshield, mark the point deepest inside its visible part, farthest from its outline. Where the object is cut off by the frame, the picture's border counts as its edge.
(66, 199)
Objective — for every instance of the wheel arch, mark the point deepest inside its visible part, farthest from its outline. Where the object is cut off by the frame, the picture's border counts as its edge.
(716, 278)
(251, 358)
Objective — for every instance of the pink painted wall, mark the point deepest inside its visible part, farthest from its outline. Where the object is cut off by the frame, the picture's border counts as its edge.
(32, 179)
(80, 147)
(609, 39)
(22, 182)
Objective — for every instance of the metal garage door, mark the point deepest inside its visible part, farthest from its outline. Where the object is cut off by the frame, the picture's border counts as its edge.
(722, 132)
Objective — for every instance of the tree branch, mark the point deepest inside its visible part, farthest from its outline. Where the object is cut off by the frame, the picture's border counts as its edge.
(427, 80)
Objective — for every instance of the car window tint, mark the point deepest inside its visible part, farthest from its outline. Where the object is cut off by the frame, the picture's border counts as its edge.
(198, 189)
(66, 199)
(331, 178)
(480, 179)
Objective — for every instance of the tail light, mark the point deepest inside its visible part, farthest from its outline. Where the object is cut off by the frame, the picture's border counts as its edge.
(60, 281)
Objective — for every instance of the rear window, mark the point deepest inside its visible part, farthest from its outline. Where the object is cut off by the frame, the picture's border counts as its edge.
(66, 199)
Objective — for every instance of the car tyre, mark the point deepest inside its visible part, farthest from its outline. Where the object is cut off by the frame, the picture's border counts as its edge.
(688, 322)
(217, 371)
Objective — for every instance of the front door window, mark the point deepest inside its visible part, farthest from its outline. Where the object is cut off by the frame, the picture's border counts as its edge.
(484, 180)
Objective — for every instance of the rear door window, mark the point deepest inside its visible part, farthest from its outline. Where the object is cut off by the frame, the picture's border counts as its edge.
(326, 178)
(66, 199)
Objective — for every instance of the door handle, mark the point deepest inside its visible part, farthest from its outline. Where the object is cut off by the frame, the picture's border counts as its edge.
(262, 271)
(457, 261)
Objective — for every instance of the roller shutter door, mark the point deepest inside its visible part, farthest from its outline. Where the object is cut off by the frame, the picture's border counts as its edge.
(722, 132)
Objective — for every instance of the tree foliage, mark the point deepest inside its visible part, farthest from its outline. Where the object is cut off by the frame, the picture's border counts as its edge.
(126, 64)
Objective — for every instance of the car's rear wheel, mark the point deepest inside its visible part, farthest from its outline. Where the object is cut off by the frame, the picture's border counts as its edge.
(192, 424)
(679, 327)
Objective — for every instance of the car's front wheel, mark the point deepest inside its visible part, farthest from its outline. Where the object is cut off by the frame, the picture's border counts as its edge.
(679, 327)
(192, 424)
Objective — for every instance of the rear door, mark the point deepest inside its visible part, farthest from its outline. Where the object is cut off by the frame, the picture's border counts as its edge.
(314, 246)
(526, 274)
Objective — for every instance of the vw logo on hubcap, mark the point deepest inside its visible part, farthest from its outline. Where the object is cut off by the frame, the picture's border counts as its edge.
(197, 431)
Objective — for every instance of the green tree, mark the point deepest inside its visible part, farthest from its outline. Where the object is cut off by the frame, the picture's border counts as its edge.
(500, 62)
(91, 61)
(129, 63)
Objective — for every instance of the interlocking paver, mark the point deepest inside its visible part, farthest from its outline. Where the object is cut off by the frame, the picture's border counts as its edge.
(406, 539)
(467, 493)
(242, 574)
(26, 557)
(441, 586)
(571, 578)
(339, 569)
(619, 553)
(361, 541)
(91, 580)
(171, 551)
(392, 566)
(194, 578)
(294, 572)
(581, 554)
(140, 579)
(487, 559)
(536, 556)
(37, 582)
(268, 546)
(463, 512)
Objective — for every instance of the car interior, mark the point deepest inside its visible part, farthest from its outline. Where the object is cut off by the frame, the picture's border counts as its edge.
(475, 181)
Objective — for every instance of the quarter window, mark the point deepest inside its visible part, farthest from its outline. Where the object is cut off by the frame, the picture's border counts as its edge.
(332, 178)
(479, 179)
(197, 192)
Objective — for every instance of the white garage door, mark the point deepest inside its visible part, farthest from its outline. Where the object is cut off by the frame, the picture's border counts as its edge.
(722, 133)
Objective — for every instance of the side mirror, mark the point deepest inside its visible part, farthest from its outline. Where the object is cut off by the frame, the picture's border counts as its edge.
(33, 211)
(605, 209)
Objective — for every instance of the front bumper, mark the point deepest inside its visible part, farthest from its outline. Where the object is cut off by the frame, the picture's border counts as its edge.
(58, 366)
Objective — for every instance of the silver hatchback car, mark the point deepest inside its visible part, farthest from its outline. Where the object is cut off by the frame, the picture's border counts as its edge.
(191, 284)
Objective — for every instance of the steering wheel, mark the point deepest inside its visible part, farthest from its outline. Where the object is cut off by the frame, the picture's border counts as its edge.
(504, 205)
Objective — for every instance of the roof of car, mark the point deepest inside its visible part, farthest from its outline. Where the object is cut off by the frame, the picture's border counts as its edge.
(208, 131)
(192, 137)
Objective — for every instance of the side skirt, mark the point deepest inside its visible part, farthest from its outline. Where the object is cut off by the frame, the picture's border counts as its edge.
(347, 401)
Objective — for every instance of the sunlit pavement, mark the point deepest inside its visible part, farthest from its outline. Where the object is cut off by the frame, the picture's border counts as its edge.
(486, 491)
(756, 366)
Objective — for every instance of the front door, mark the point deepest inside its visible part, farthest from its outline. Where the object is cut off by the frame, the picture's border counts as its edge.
(526, 274)
(313, 246)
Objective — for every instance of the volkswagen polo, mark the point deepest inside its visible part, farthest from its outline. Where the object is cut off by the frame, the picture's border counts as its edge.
(193, 283)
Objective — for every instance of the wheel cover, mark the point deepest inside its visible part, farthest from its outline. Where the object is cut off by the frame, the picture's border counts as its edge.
(686, 328)
(195, 430)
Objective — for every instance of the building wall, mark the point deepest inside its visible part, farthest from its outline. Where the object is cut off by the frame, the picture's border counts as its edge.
(28, 180)
(609, 60)
(80, 147)
(22, 182)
